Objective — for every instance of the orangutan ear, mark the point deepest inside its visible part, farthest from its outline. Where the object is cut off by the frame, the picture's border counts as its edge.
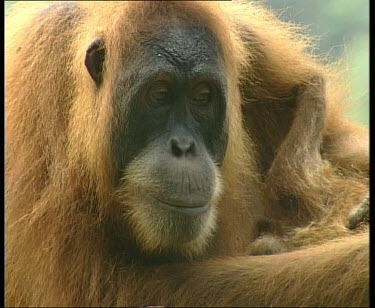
(94, 60)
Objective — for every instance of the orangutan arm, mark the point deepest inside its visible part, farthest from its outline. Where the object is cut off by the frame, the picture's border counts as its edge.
(332, 274)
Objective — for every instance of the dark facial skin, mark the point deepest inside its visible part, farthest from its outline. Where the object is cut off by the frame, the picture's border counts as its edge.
(177, 115)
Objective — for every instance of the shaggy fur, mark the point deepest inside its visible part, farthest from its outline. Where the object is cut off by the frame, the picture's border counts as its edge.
(294, 167)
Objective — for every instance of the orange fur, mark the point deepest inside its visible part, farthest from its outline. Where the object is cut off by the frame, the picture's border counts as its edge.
(61, 240)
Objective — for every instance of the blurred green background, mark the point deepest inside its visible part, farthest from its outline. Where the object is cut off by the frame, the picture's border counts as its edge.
(343, 29)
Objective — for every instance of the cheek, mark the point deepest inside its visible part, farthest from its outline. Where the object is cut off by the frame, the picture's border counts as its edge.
(214, 131)
(220, 143)
(134, 133)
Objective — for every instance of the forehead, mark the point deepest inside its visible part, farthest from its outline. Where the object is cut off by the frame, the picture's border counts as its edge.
(183, 45)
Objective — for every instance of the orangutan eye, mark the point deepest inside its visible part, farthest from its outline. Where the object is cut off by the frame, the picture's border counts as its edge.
(201, 95)
(159, 94)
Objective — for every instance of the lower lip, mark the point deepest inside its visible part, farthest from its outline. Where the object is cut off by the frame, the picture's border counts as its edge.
(192, 211)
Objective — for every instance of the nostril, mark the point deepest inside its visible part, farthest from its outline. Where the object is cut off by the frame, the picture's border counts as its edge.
(182, 147)
(175, 148)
